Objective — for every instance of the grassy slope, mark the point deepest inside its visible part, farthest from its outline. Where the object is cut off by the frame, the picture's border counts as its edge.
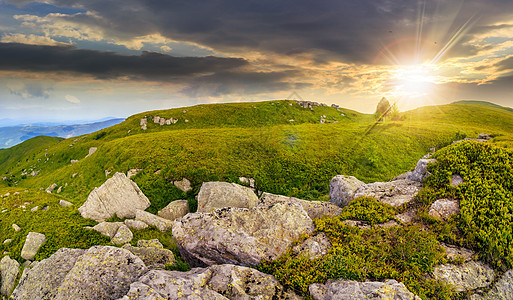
(223, 142)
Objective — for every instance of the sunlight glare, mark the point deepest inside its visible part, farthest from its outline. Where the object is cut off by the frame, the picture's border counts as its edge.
(413, 81)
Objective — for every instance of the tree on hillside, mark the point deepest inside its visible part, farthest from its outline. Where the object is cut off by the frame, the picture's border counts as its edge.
(383, 109)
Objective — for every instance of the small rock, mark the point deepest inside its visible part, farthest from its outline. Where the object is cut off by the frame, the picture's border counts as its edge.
(356, 223)
(442, 209)
(457, 253)
(46, 208)
(484, 136)
(420, 172)
(16, 227)
(7, 241)
(32, 244)
(313, 247)
(456, 180)
(162, 121)
(74, 175)
(322, 121)
(33, 209)
(74, 161)
(184, 185)
(132, 172)
(65, 203)
(186, 121)
(123, 236)
(156, 120)
(465, 277)
(108, 228)
(343, 188)
(174, 210)
(136, 225)
(162, 224)
(9, 270)
(51, 188)
(92, 150)
(248, 181)
(59, 190)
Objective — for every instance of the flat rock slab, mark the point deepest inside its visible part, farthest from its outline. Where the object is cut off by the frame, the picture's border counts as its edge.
(213, 195)
(394, 193)
(101, 272)
(32, 243)
(118, 196)
(465, 277)
(314, 209)
(355, 290)
(215, 282)
(343, 188)
(240, 236)
(174, 210)
(162, 224)
(9, 270)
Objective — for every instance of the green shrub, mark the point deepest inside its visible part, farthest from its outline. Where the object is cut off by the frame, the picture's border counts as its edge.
(368, 209)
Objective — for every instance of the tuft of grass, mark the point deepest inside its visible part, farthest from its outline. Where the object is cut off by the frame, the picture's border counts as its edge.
(368, 209)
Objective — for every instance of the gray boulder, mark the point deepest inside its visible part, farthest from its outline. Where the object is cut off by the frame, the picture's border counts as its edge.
(465, 277)
(343, 188)
(152, 253)
(456, 180)
(354, 290)
(136, 225)
(314, 209)
(215, 282)
(65, 203)
(443, 209)
(32, 244)
(184, 185)
(43, 279)
(122, 236)
(314, 247)
(108, 228)
(240, 236)
(117, 196)
(394, 193)
(420, 172)
(162, 224)
(216, 194)
(501, 290)
(174, 210)
(9, 270)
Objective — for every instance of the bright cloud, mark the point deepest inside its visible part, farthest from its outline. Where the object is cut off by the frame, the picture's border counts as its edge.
(72, 99)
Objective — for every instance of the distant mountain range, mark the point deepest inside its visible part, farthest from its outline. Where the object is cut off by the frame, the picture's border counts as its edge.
(13, 135)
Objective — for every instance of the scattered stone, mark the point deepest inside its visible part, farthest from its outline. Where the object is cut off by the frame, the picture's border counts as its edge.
(123, 235)
(356, 223)
(108, 228)
(16, 227)
(457, 253)
(239, 235)
(214, 195)
(465, 277)
(156, 120)
(174, 210)
(343, 188)
(186, 121)
(443, 209)
(9, 270)
(355, 290)
(92, 150)
(162, 224)
(456, 180)
(136, 225)
(7, 241)
(407, 216)
(51, 188)
(314, 209)
(34, 173)
(420, 172)
(162, 121)
(184, 185)
(65, 203)
(152, 253)
(132, 172)
(4, 210)
(46, 208)
(322, 121)
(117, 196)
(74, 161)
(394, 193)
(59, 190)
(313, 247)
(248, 181)
(484, 136)
(144, 124)
(32, 244)
(35, 208)
(7, 194)
(107, 172)
(74, 175)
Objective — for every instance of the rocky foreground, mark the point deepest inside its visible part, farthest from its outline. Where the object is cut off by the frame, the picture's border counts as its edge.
(233, 231)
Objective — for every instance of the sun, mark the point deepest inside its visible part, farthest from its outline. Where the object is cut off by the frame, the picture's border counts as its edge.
(413, 81)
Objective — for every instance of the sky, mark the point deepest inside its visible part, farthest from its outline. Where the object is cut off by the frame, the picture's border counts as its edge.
(64, 60)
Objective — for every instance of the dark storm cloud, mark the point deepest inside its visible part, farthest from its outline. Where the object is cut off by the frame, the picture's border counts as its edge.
(226, 83)
(109, 65)
(349, 31)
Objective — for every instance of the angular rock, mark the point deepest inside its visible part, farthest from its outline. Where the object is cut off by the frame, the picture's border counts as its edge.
(443, 209)
(216, 282)
(240, 236)
(16, 227)
(314, 209)
(214, 195)
(136, 225)
(7, 241)
(117, 196)
(65, 203)
(313, 247)
(456, 180)
(44, 278)
(457, 253)
(465, 277)
(144, 124)
(9, 270)
(108, 228)
(394, 193)
(74, 161)
(123, 235)
(248, 181)
(35, 208)
(132, 172)
(501, 290)
(174, 210)
(162, 224)
(92, 150)
(420, 172)
(354, 290)
(156, 119)
(152, 253)
(51, 188)
(343, 188)
(33, 241)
